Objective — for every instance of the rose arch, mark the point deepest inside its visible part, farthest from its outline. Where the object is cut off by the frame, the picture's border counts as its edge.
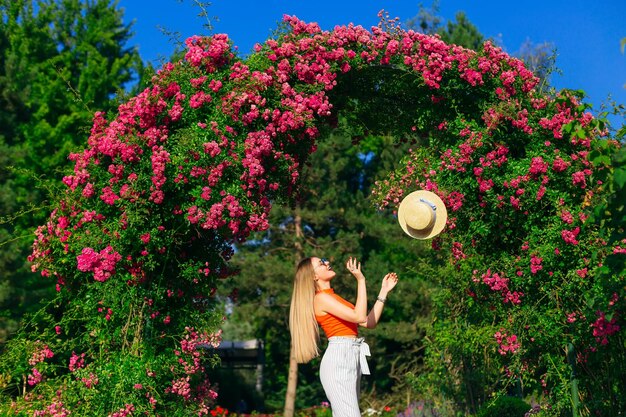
(142, 232)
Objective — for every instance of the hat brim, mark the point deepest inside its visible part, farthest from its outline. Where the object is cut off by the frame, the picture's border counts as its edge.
(441, 214)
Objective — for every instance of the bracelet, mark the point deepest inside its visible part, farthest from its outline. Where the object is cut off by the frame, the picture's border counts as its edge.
(382, 300)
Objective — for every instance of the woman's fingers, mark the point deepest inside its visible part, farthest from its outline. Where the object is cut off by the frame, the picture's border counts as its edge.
(391, 279)
(353, 265)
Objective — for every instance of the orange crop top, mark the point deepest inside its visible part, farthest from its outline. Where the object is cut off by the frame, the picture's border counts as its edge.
(333, 325)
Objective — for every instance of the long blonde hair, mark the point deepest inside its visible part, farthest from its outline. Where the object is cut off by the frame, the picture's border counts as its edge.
(305, 333)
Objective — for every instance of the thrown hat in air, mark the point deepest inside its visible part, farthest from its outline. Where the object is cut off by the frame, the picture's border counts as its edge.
(422, 214)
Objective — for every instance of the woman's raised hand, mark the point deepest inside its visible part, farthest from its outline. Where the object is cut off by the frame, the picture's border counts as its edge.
(389, 281)
(355, 268)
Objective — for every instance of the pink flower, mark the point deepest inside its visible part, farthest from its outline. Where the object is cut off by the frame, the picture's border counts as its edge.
(87, 259)
(537, 166)
(34, 377)
(455, 201)
(495, 281)
(578, 178)
(40, 354)
(54, 409)
(197, 82)
(603, 328)
(88, 191)
(181, 387)
(567, 217)
(507, 344)
(559, 165)
(108, 196)
(76, 361)
(569, 236)
(199, 99)
(484, 185)
(457, 251)
(102, 263)
(126, 411)
(540, 192)
(535, 264)
(90, 381)
(212, 148)
(513, 297)
(571, 317)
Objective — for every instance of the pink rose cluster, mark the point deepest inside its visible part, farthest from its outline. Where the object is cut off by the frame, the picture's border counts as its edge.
(603, 328)
(76, 362)
(54, 409)
(102, 263)
(41, 353)
(507, 344)
(497, 282)
(127, 410)
(193, 346)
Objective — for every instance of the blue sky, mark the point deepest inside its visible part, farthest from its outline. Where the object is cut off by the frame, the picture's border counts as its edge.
(586, 34)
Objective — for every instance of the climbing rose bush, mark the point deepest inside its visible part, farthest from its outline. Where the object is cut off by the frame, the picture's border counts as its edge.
(526, 304)
(140, 237)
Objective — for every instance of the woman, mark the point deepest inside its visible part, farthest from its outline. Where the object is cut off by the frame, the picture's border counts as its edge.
(314, 301)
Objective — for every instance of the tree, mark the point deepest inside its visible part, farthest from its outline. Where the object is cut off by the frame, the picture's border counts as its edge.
(461, 32)
(427, 20)
(540, 59)
(60, 61)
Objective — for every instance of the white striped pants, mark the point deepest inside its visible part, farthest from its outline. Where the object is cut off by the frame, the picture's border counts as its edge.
(340, 371)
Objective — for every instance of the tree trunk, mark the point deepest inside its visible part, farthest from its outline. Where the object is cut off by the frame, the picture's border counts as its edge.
(292, 383)
(292, 380)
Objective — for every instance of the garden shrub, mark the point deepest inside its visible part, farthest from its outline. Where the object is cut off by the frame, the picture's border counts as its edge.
(504, 406)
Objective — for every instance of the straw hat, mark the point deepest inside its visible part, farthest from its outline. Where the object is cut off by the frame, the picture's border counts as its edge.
(422, 214)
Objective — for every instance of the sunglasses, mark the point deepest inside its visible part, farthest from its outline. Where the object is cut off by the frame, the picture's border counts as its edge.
(323, 262)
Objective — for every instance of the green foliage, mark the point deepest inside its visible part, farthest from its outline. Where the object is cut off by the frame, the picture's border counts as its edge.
(609, 213)
(504, 406)
(60, 61)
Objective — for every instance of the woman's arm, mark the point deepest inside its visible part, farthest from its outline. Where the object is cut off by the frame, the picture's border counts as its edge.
(389, 281)
(329, 304)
